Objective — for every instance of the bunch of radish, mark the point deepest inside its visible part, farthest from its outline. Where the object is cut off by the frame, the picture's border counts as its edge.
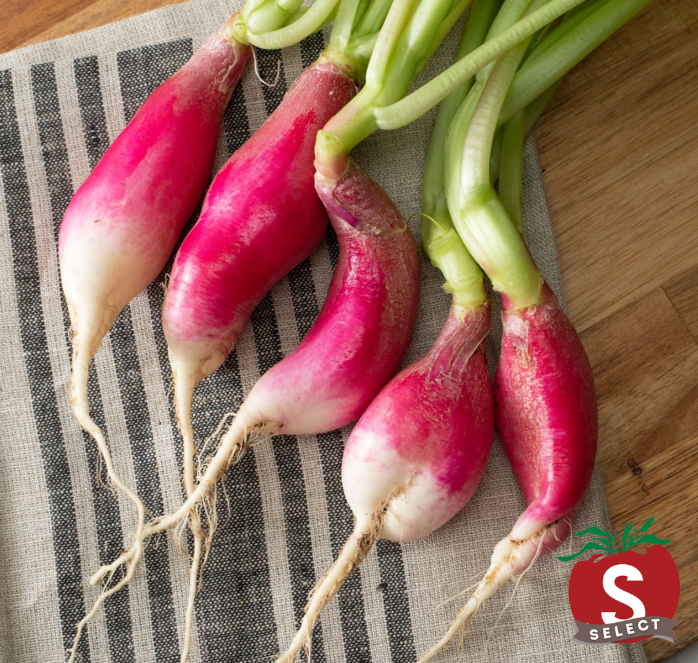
(420, 447)
(122, 225)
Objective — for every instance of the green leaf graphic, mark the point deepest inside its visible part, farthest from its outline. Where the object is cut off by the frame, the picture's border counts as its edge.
(626, 534)
(652, 539)
(606, 542)
(598, 531)
(589, 546)
(646, 526)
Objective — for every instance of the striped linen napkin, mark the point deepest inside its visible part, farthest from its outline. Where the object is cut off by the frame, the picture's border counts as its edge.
(61, 104)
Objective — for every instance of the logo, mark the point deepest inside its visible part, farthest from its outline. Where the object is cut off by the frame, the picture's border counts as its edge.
(627, 592)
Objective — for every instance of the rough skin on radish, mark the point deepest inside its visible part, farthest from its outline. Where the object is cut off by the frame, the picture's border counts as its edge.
(547, 421)
(417, 454)
(546, 410)
(260, 218)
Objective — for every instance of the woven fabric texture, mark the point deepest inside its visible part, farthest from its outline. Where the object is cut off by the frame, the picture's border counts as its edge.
(61, 104)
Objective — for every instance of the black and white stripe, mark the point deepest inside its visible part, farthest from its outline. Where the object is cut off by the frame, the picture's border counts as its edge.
(71, 601)
(109, 531)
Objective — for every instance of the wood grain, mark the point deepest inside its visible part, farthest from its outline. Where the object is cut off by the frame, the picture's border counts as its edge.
(619, 151)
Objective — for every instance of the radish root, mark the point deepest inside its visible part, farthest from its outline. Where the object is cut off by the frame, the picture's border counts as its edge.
(504, 559)
(235, 443)
(79, 402)
(366, 533)
(136, 553)
(184, 393)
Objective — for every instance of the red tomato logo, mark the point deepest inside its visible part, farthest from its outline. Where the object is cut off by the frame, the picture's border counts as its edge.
(621, 584)
(607, 589)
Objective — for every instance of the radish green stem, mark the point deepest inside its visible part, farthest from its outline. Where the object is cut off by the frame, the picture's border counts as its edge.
(481, 16)
(414, 44)
(496, 155)
(453, 15)
(361, 12)
(506, 164)
(395, 23)
(374, 17)
(440, 241)
(531, 113)
(269, 15)
(360, 48)
(478, 214)
(311, 21)
(448, 253)
(569, 23)
(404, 41)
(343, 24)
(511, 169)
(557, 59)
(365, 119)
(510, 12)
(534, 110)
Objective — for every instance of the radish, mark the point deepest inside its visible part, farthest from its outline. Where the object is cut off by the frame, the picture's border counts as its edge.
(544, 388)
(123, 222)
(261, 217)
(372, 233)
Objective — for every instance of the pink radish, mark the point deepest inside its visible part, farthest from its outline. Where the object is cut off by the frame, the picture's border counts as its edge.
(547, 421)
(261, 217)
(123, 222)
(417, 454)
(546, 411)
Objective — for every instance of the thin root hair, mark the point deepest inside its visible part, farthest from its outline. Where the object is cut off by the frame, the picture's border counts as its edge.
(456, 596)
(256, 70)
(354, 551)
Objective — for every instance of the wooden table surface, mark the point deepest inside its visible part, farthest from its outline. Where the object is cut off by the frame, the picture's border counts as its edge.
(619, 150)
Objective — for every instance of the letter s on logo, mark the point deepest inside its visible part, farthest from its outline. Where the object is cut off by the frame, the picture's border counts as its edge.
(620, 595)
